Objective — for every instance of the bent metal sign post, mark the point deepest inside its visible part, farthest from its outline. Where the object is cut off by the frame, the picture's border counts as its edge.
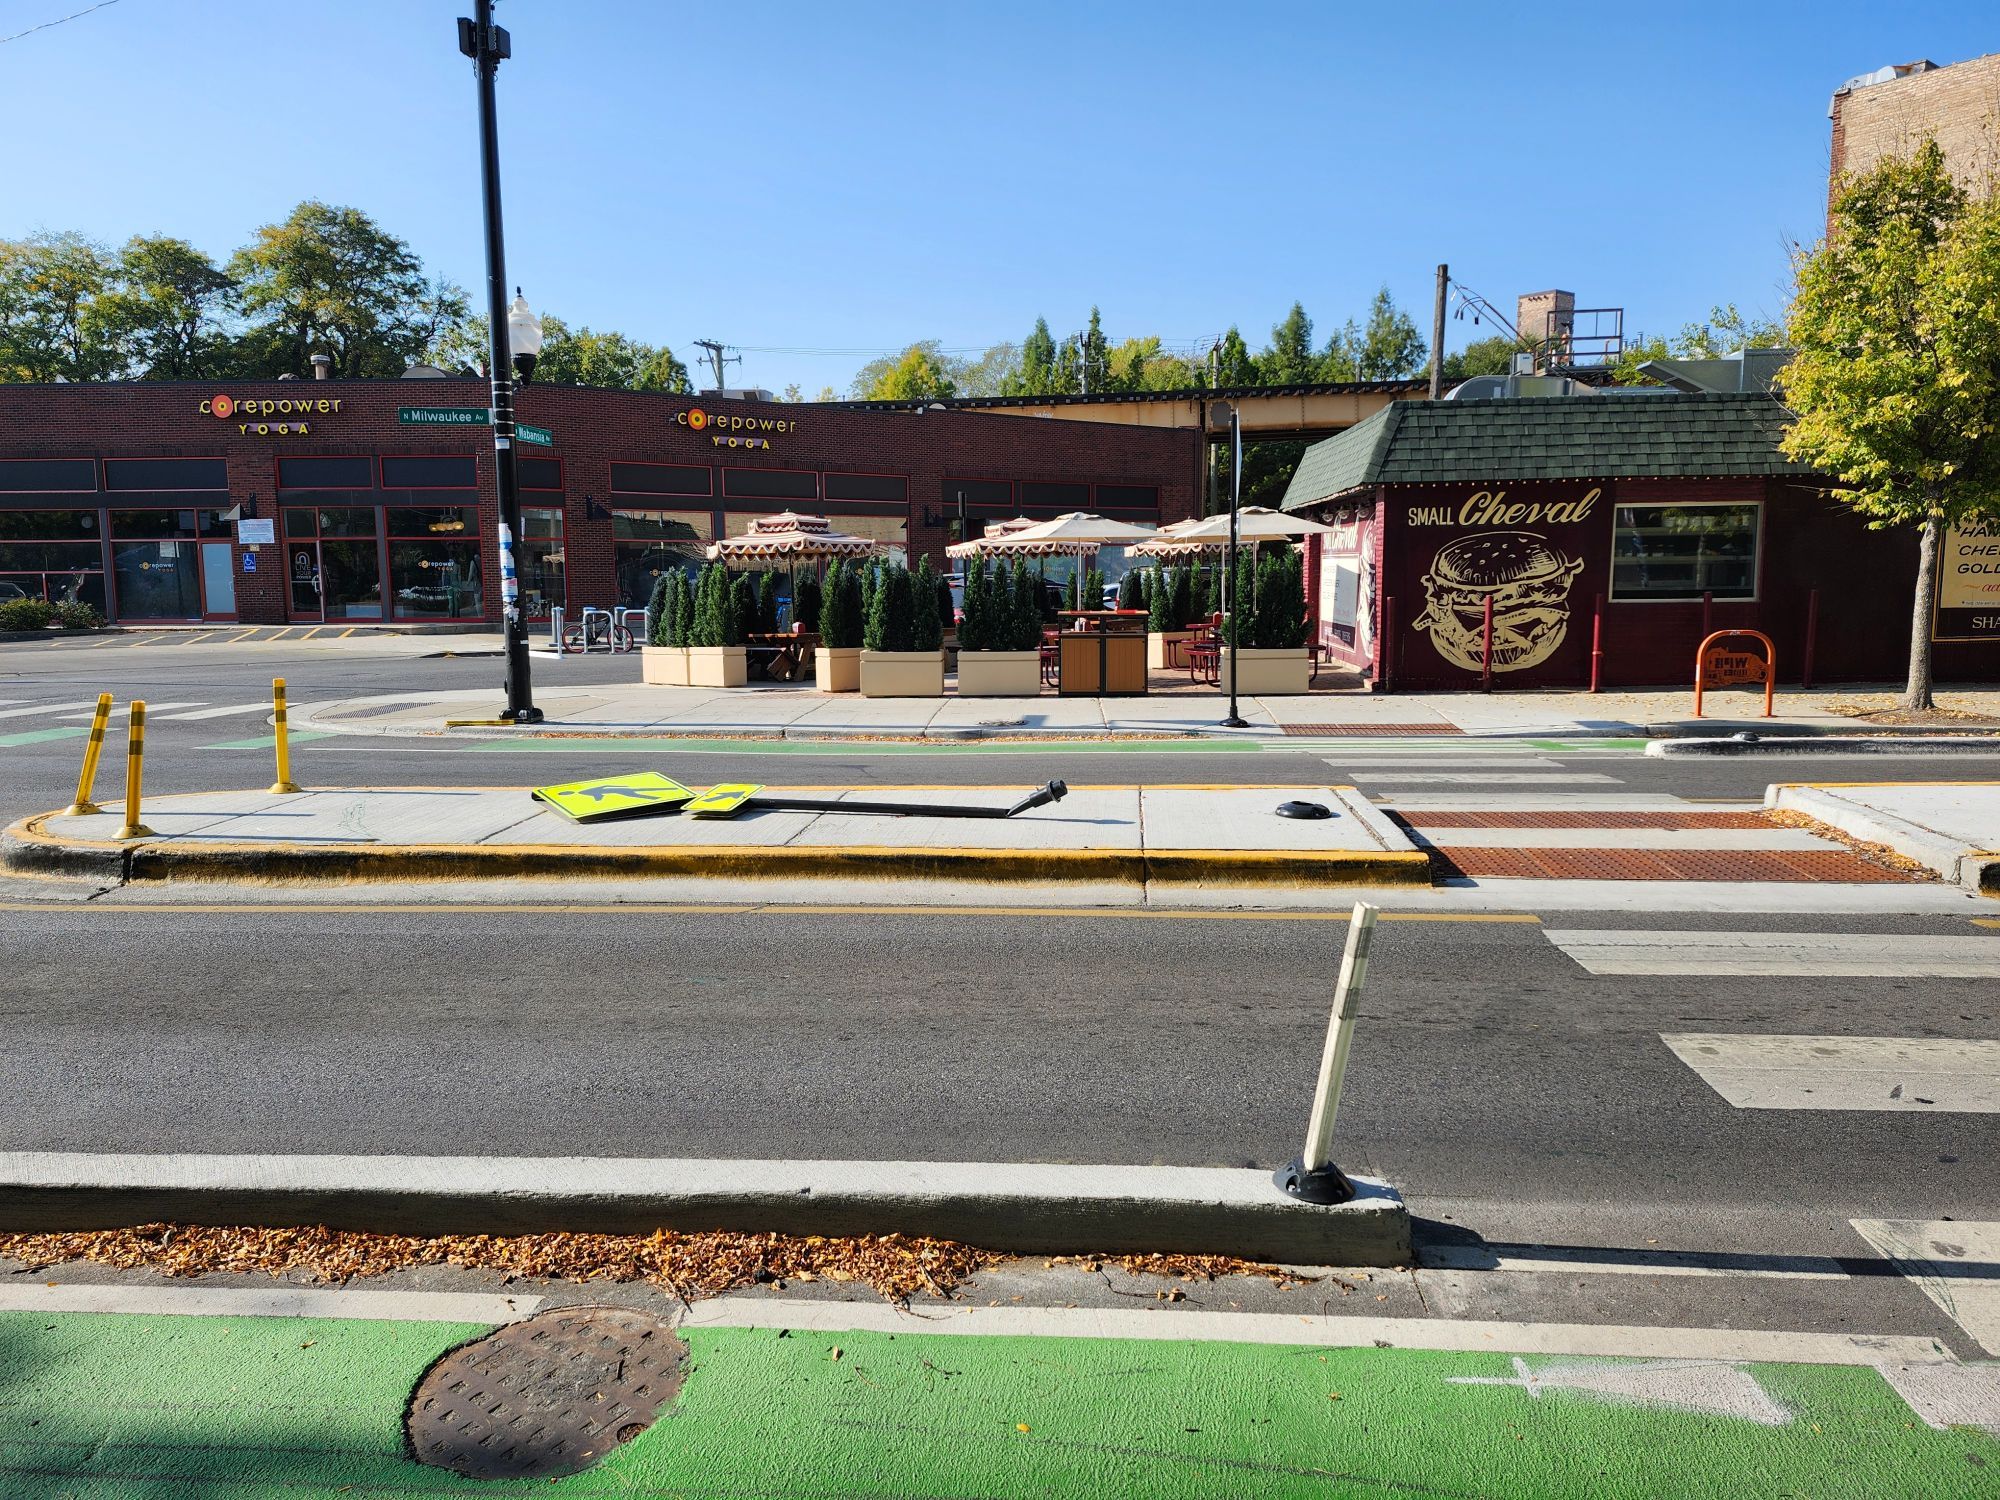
(1522, 554)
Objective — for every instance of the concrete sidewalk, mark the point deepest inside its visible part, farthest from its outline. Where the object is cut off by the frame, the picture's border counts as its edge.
(1106, 844)
(784, 711)
(1951, 827)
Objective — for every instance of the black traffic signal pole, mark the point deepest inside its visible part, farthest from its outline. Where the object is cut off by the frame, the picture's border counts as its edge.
(1236, 611)
(486, 44)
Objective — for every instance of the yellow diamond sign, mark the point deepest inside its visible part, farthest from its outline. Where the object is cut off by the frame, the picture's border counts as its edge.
(723, 801)
(644, 794)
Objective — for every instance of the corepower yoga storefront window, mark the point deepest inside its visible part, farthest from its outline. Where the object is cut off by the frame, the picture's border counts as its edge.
(161, 559)
(434, 562)
(55, 555)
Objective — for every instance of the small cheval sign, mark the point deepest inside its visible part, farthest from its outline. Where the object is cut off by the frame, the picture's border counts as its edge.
(1725, 659)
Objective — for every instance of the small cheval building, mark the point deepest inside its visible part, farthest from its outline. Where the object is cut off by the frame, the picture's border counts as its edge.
(1608, 533)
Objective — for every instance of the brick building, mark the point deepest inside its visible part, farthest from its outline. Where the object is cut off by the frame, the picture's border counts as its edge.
(135, 496)
(1890, 111)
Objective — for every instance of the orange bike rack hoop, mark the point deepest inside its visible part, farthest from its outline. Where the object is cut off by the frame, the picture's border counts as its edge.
(1734, 667)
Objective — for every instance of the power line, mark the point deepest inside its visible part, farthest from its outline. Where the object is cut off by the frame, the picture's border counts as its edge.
(74, 15)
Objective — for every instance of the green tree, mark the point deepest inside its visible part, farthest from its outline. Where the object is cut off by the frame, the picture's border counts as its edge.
(926, 619)
(919, 373)
(660, 609)
(1093, 356)
(50, 289)
(991, 374)
(1132, 589)
(891, 615)
(1494, 356)
(1027, 590)
(1726, 331)
(840, 615)
(767, 603)
(1036, 373)
(975, 631)
(806, 600)
(1235, 366)
(742, 608)
(167, 311)
(1093, 589)
(684, 601)
(1160, 608)
(1290, 359)
(1895, 389)
(330, 280)
(1390, 345)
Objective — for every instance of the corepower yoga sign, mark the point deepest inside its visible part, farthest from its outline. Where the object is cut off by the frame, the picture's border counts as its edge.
(1524, 553)
(253, 414)
(734, 432)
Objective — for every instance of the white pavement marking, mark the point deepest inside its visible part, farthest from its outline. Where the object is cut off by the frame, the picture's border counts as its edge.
(1955, 1261)
(1447, 1334)
(1568, 1258)
(1551, 802)
(1622, 838)
(277, 1302)
(1418, 760)
(44, 708)
(263, 707)
(153, 710)
(1877, 955)
(1711, 1387)
(1927, 1075)
(1488, 778)
(1946, 1396)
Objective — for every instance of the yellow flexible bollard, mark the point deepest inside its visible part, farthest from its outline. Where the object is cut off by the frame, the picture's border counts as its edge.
(86, 780)
(135, 756)
(284, 783)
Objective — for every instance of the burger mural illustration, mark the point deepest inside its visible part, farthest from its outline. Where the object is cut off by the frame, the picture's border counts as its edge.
(1528, 581)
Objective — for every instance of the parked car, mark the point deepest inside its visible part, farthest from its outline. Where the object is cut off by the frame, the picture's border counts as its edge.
(10, 591)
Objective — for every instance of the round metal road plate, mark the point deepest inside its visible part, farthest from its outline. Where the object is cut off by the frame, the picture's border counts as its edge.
(547, 1396)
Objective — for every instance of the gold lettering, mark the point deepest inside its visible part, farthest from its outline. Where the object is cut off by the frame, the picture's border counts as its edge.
(243, 428)
(336, 406)
(207, 407)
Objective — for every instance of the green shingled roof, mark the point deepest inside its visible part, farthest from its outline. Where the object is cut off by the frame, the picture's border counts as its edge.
(1548, 437)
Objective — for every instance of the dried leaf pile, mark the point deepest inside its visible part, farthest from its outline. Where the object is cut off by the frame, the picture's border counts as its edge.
(1877, 854)
(687, 1265)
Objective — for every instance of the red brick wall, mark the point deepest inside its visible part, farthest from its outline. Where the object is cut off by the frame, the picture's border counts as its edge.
(592, 428)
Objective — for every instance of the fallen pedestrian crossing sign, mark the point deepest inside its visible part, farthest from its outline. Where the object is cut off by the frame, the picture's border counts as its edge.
(644, 794)
(722, 801)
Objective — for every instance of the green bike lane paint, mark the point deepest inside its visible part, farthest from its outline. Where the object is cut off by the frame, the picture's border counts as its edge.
(126, 1405)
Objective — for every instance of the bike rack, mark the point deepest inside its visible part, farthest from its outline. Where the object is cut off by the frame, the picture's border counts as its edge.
(624, 637)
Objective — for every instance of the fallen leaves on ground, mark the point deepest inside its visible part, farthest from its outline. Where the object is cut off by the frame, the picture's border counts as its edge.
(687, 1265)
(1875, 854)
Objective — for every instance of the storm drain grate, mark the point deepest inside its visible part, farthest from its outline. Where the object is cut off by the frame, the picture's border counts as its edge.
(1342, 731)
(547, 1396)
(1651, 864)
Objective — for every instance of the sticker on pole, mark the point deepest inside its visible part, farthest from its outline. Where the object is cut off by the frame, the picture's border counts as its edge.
(724, 801)
(644, 794)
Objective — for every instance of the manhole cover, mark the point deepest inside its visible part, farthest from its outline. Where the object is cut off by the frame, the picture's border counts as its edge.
(550, 1395)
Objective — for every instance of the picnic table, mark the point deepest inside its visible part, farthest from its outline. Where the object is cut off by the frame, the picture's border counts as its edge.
(784, 656)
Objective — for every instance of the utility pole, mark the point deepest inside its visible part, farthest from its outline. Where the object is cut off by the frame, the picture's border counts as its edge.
(487, 44)
(1437, 333)
(715, 357)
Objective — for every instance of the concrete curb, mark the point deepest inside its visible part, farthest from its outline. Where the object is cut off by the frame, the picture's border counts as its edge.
(1021, 1207)
(1883, 742)
(1974, 869)
(28, 848)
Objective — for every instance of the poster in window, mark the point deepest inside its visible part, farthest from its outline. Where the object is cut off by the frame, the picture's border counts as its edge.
(1968, 593)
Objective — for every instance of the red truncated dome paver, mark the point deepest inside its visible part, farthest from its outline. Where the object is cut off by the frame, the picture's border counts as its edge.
(1554, 819)
(1651, 864)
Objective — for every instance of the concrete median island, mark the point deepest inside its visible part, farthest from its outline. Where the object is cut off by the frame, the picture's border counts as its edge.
(1951, 827)
(1101, 842)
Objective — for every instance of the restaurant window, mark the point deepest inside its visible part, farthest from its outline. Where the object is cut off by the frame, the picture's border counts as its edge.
(891, 487)
(770, 484)
(403, 471)
(648, 542)
(892, 532)
(326, 472)
(63, 475)
(1142, 497)
(1059, 497)
(434, 563)
(539, 558)
(660, 479)
(1661, 552)
(538, 473)
(52, 554)
(166, 474)
(333, 562)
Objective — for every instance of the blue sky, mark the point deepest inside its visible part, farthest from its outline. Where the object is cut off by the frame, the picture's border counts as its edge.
(853, 177)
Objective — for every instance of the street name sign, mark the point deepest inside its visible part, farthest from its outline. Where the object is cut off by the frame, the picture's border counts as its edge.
(644, 794)
(443, 416)
(541, 437)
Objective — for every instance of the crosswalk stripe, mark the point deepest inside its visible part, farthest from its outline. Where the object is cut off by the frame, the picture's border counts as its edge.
(44, 708)
(1896, 1074)
(153, 710)
(1660, 839)
(1793, 954)
(1439, 762)
(261, 707)
(1549, 801)
(1489, 778)
(1956, 1262)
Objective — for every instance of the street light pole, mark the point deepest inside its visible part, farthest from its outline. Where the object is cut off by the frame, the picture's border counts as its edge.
(1230, 580)
(487, 44)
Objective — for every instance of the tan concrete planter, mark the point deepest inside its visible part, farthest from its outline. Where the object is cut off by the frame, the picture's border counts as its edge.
(664, 666)
(718, 666)
(999, 674)
(1157, 642)
(1286, 670)
(837, 669)
(902, 674)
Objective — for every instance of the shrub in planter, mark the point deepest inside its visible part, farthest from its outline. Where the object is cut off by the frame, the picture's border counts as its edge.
(74, 614)
(1029, 603)
(1281, 602)
(976, 629)
(656, 608)
(767, 604)
(716, 657)
(1093, 589)
(806, 602)
(928, 618)
(26, 614)
(1004, 662)
(664, 660)
(684, 599)
(837, 662)
(900, 656)
(871, 580)
(1160, 607)
(743, 601)
(1133, 592)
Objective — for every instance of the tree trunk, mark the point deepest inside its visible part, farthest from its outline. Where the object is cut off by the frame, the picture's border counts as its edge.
(1917, 692)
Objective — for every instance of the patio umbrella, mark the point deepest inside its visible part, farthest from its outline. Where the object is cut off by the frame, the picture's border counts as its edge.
(1168, 541)
(1254, 523)
(1077, 534)
(789, 537)
(995, 530)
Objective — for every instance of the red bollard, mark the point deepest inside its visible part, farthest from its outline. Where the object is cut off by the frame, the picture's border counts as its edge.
(1389, 643)
(1812, 637)
(1597, 643)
